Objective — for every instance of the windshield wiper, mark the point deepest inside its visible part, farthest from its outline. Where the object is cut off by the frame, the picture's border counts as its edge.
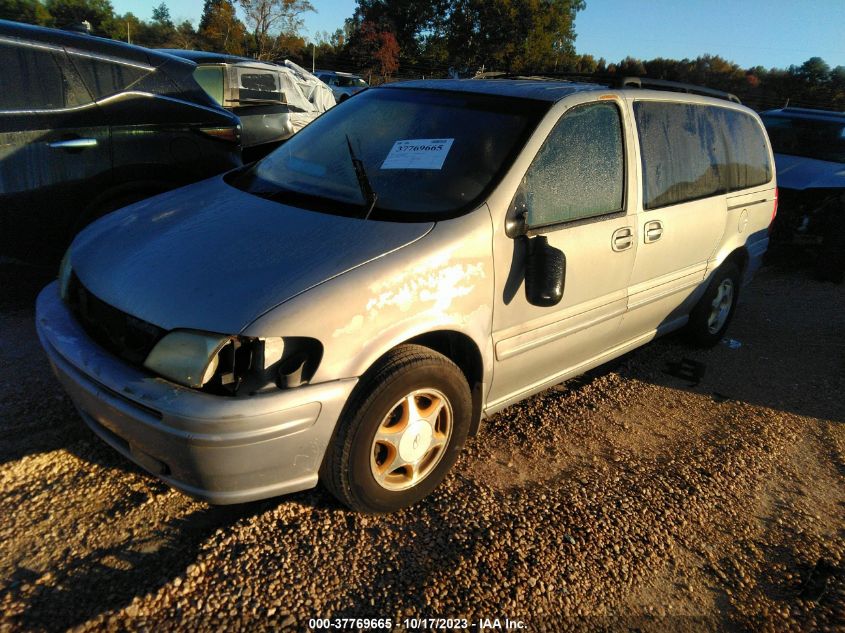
(363, 182)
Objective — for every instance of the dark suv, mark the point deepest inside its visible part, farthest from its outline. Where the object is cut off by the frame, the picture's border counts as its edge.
(88, 125)
(809, 147)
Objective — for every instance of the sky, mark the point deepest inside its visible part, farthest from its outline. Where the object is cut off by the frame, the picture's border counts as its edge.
(769, 33)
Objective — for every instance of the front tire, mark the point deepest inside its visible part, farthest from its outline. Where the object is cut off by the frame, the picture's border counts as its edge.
(401, 432)
(712, 315)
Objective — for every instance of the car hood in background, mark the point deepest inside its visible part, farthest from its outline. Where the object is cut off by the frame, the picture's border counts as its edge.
(211, 257)
(797, 172)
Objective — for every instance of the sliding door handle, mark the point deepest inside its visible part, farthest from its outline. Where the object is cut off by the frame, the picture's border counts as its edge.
(622, 239)
(653, 231)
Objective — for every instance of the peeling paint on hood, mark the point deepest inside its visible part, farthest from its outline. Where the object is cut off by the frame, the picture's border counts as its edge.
(211, 257)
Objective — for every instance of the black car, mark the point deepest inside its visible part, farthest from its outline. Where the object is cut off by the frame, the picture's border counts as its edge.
(88, 125)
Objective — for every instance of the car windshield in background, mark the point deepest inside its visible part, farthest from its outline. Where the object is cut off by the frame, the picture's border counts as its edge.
(350, 82)
(810, 138)
(427, 154)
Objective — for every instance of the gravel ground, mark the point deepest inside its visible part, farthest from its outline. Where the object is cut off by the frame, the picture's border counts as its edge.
(627, 499)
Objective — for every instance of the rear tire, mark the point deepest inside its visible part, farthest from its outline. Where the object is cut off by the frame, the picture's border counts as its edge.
(712, 314)
(401, 432)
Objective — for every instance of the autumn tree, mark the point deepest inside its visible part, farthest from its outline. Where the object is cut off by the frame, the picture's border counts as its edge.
(267, 19)
(375, 50)
(98, 13)
(28, 11)
(410, 21)
(220, 29)
(185, 36)
(161, 15)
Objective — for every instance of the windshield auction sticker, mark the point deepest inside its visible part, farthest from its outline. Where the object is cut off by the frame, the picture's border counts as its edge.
(418, 153)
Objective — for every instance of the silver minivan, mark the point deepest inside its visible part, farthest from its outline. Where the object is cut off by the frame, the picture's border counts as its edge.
(350, 308)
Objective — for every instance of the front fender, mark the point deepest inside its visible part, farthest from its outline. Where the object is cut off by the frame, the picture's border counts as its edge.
(443, 281)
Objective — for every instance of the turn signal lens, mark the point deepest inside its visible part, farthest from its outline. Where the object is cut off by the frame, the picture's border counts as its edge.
(230, 134)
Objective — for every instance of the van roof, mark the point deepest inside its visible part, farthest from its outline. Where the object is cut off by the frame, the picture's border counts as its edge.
(537, 89)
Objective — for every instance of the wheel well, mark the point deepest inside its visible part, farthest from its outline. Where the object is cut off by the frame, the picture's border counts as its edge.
(462, 351)
(739, 257)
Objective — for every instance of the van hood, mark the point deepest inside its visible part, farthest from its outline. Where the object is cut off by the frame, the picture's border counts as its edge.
(797, 172)
(212, 257)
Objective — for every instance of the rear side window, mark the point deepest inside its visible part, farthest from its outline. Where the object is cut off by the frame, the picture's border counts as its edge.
(34, 79)
(749, 165)
(210, 78)
(257, 85)
(579, 171)
(692, 151)
(810, 138)
(105, 78)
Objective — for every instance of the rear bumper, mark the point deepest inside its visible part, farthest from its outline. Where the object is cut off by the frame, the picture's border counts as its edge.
(756, 251)
(222, 450)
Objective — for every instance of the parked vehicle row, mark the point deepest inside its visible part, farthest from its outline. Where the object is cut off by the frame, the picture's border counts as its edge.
(343, 85)
(350, 308)
(273, 102)
(89, 125)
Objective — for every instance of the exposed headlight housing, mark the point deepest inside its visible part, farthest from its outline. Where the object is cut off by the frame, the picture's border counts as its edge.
(234, 365)
(187, 357)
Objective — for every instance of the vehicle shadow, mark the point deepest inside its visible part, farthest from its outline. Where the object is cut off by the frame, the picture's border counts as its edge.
(782, 351)
(110, 578)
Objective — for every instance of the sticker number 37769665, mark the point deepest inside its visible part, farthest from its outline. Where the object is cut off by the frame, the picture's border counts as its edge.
(418, 153)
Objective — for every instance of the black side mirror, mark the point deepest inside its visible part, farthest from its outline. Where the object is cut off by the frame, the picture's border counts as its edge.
(545, 273)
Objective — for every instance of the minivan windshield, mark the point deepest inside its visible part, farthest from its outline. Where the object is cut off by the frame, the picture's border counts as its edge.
(810, 138)
(427, 154)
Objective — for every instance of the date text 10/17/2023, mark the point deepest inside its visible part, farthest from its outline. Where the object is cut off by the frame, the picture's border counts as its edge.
(417, 624)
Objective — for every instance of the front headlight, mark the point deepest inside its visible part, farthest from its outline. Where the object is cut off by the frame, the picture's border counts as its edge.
(230, 365)
(189, 358)
(65, 271)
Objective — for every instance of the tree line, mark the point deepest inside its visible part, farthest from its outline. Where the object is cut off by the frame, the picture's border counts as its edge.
(392, 39)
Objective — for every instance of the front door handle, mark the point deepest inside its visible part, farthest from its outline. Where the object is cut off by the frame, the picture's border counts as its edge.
(74, 143)
(622, 239)
(653, 231)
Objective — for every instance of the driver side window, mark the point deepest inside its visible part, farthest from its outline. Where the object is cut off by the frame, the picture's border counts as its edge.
(579, 172)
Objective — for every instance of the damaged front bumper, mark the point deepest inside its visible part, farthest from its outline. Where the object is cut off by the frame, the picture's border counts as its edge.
(220, 449)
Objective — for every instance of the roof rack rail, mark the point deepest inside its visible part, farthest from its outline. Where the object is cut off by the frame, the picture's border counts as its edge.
(676, 86)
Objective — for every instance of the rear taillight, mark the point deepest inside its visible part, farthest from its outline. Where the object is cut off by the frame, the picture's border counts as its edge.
(774, 213)
(230, 134)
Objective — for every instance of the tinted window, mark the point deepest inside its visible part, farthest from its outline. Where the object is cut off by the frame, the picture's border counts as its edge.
(105, 78)
(822, 140)
(694, 151)
(579, 171)
(427, 154)
(211, 80)
(31, 79)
